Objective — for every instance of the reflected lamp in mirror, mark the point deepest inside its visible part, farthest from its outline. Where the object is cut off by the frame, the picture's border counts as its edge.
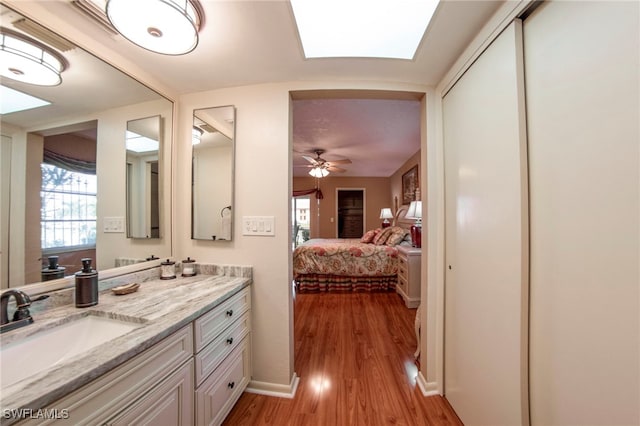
(196, 135)
(143, 177)
(386, 214)
(212, 174)
(415, 212)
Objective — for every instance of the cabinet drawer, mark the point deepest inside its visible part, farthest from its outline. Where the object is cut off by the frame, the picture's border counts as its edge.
(208, 359)
(217, 395)
(208, 326)
(402, 283)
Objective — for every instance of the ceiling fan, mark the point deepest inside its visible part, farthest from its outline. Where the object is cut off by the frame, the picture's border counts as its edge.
(321, 167)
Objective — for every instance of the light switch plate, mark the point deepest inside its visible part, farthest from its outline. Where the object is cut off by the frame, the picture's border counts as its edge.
(113, 224)
(258, 225)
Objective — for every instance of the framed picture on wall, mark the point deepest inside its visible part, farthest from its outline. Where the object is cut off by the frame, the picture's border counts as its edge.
(409, 185)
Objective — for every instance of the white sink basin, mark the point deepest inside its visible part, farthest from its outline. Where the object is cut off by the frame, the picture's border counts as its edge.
(43, 350)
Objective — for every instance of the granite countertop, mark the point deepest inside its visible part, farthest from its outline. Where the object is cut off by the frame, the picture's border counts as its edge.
(161, 307)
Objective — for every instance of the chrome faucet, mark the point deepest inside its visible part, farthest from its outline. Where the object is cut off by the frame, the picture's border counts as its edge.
(21, 316)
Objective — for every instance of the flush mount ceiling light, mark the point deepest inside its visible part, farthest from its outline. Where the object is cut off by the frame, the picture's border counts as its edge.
(29, 61)
(169, 27)
(362, 28)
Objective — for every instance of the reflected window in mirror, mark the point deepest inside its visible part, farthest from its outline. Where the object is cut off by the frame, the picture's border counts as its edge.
(213, 149)
(143, 142)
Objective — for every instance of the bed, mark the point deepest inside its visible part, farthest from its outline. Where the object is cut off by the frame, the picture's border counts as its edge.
(334, 264)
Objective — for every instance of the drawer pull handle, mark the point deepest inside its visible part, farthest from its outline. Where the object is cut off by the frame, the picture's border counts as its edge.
(230, 340)
(231, 385)
(230, 312)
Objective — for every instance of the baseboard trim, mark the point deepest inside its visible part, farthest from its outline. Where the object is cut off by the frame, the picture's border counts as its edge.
(272, 389)
(427, 388)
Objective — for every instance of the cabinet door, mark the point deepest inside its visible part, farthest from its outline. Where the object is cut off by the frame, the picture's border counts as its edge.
(170, 403)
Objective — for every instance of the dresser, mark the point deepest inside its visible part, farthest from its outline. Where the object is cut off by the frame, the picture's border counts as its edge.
(409, 275)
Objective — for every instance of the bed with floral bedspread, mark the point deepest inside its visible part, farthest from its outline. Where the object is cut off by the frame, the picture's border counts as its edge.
(344, 265)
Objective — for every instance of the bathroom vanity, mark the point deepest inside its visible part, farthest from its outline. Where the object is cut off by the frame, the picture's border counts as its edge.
(184, 360)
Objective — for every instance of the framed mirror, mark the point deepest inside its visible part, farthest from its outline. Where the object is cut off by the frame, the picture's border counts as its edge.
(213, 142)
(143, 143)
(84, 119)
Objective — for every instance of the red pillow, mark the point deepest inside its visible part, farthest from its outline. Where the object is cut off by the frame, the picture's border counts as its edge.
(370, 235)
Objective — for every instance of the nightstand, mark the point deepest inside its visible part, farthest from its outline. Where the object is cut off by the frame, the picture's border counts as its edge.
(409, 275)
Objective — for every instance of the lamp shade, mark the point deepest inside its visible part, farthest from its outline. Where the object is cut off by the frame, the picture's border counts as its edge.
(385, 213)
(169, 27)
(415, 210)
(29, 61)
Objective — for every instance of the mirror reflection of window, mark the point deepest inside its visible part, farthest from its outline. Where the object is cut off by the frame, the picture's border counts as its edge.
(212, 173)
(143, 177)
(68, 198)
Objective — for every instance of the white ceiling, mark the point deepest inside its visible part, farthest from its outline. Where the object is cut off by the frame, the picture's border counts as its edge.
(251, 42)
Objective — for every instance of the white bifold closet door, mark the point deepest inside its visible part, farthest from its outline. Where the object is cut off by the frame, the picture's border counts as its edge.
(486, 285)
(583, 94)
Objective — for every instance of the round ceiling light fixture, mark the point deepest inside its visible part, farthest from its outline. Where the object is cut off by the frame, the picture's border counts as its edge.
(29, 61)
(169, 27)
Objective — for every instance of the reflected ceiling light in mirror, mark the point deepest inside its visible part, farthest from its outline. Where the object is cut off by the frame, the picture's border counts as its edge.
(15, 101)
(319, 172)
(196, 135)
(138, 143)
(27, 60)
(169, 27)
(362, 28)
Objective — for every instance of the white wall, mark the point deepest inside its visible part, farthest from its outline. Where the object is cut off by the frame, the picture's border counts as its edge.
(262, 187)
(212, 170)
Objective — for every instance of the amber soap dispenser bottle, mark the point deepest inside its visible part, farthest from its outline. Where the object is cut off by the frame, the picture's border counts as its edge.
(86, 285)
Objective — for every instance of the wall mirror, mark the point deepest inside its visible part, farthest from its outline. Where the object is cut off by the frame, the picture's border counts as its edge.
(213, 142)
(81, 129)
(143, 142)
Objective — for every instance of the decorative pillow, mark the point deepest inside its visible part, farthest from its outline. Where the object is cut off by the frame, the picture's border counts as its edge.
(370, 235)
(396, 236)
(382, 236)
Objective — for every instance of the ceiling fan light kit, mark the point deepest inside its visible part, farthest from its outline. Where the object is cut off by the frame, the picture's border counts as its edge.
(168, 27)
(320, 167)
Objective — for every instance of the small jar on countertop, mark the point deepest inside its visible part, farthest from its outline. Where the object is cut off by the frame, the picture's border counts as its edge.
(167, 270)
(188, 267)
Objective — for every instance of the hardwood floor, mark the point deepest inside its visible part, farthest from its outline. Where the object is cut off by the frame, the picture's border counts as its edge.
(354, 357)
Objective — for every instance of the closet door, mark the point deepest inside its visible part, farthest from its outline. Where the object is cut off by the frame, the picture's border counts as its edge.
(486, 238)
(583, 93)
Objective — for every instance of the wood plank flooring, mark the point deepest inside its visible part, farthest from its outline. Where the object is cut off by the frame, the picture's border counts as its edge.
(354, 357)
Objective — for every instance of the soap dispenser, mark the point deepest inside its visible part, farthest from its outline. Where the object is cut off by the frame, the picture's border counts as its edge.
(86, 285)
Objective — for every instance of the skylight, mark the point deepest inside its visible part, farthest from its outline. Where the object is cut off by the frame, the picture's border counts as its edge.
(14, 101)
(362, 28)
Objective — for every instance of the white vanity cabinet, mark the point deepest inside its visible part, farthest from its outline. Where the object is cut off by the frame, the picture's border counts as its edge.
(129, 387)
(222, 358)
(194, 376)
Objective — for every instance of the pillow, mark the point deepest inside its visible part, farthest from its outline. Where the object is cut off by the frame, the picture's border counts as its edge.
(382, 236)
(370, 235)
(396, 236)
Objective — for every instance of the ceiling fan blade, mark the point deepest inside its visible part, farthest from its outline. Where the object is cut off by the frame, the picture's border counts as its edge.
(336, 169)
(304, 165)
(311, 160)
(345, 161)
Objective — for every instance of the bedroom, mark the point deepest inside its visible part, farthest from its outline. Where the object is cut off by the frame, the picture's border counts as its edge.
(371, 144)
